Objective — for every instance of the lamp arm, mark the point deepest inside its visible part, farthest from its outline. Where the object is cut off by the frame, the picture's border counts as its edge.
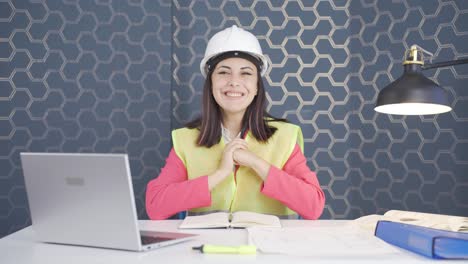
(444, 64)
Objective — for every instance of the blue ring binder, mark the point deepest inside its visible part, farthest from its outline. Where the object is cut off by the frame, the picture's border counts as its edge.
(429, 242)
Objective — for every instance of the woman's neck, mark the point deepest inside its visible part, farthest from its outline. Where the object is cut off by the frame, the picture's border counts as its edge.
(233, 123)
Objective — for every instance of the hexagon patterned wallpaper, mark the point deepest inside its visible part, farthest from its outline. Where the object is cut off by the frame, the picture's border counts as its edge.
(329, 60)
(83, 76)
(118, 75)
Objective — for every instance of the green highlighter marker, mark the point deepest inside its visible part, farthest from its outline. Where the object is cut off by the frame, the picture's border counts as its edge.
(213, 249)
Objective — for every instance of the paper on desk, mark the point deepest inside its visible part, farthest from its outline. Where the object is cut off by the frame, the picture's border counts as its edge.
(314, 241)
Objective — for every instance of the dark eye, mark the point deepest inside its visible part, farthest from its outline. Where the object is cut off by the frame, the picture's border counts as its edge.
(223, 72)
(246, 73)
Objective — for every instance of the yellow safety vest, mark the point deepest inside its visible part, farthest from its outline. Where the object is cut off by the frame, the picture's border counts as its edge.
(243, 192)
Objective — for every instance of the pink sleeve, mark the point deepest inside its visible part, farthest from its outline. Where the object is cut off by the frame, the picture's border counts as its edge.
(296, 186)
(171, 192)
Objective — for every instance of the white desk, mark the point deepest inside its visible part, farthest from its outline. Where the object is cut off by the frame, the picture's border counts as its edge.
(21, 247)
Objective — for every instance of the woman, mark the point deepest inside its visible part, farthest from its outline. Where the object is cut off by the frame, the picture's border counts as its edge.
(235, 157)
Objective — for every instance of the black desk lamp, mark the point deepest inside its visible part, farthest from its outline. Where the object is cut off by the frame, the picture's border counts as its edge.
(413, 93)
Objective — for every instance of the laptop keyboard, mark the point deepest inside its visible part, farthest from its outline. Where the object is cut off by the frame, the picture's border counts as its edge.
(146, 240)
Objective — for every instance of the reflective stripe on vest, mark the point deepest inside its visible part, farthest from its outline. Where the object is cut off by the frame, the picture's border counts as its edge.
(242, 193)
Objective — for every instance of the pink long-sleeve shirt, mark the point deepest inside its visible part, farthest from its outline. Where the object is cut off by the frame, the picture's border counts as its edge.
(295, 185)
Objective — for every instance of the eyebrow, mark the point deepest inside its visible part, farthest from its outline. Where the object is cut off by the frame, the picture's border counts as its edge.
(242, 68)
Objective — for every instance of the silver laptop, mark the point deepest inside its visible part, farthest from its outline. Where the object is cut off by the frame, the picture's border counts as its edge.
(87, 199)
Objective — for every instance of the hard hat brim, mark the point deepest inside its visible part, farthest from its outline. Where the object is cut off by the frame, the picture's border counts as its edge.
(262, 58)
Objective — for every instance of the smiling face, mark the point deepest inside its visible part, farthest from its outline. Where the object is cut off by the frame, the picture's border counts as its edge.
(234, 82)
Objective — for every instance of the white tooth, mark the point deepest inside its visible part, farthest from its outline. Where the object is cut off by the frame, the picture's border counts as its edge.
(233, 94)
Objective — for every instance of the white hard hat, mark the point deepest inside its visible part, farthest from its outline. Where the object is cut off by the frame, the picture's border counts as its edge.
(233, 39)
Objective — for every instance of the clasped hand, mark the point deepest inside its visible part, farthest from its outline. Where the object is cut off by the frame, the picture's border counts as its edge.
(237, 153)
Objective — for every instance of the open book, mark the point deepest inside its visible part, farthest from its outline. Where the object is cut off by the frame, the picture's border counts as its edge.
(437, 221)
(226, 220)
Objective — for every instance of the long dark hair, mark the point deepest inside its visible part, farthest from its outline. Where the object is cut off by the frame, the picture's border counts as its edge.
(255, 119)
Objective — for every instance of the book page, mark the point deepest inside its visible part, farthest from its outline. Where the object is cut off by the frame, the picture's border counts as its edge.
(437, 221)
(248, 219)
(213, 220)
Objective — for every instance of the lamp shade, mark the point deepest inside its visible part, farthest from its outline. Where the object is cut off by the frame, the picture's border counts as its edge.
(412, 94)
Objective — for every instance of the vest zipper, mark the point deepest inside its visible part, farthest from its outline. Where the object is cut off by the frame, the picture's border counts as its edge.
(235, 173)
(243, 135)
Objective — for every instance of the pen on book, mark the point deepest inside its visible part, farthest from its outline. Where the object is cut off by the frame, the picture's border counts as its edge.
(214, 249)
